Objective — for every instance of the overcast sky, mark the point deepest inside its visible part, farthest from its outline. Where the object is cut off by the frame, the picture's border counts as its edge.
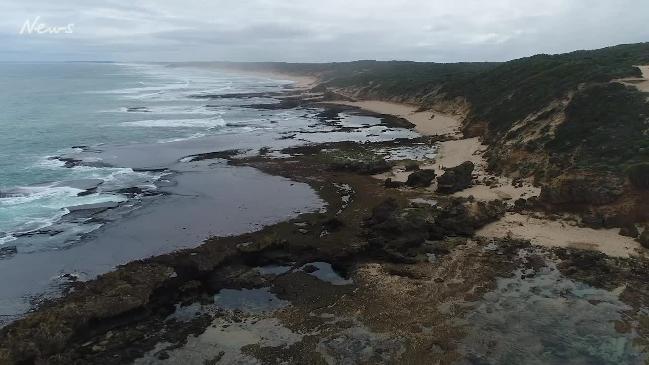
(316, 30)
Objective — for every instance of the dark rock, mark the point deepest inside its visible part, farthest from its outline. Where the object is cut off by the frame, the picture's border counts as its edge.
(8, 251)
(456, 178)
(421, 178)
(139, 109)
(365, 167)
(87, 192)
(389, 183)
(383, 211)
(333, 224)
(399, 233)
(412, 166)
(593, 220)
(226, 155)
(520, 204)
(629, 230)
(644, 238)
(582, 189)
(137, 191)
(94, 206)
(639, 175)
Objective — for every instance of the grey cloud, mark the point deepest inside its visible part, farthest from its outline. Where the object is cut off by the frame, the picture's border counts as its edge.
(310, 30)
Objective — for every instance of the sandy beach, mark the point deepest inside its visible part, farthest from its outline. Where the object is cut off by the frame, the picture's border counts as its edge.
(561, 233)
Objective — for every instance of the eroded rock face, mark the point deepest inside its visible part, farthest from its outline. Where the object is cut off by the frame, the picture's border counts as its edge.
(583, 189)
(456, 178)
(421, 178)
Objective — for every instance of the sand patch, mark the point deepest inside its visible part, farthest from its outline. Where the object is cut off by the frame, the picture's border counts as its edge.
(427, 123)
(561, 233)
(641, 84)
(453, 153)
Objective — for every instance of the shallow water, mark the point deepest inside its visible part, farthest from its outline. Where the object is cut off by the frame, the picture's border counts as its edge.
(548, 319)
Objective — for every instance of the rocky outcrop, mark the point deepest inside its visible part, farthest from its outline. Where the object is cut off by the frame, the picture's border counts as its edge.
(639, 175)
(367, 167)
(8, 251)
(421, 178)
(582, 189)
(398, 233)
(629, 230)
(644, 238)
(49, 330)
(456, 178)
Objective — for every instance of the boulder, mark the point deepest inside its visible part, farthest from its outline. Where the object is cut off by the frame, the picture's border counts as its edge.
(367, 167)
(644, 238)
(389, 183)
(583, 189)
(629, 230)
(639, 175)
(412, 166)
(456, 178)
(421, 178)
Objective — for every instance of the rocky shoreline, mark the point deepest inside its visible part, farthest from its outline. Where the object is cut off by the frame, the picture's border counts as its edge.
(390, 272)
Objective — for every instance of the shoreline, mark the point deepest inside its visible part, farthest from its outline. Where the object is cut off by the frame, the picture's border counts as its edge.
(381, 267)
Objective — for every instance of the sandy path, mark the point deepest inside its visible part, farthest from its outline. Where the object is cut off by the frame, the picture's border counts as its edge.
(549, 233)
(641, 84)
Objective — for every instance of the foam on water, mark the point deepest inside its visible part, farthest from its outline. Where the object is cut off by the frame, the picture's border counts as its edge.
(178, 123)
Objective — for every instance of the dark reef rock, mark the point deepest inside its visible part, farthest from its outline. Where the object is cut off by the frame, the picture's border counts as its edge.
(389, 183)
(366, 167)
(456, 178)
(8, 251)
(138, 109)
(421, 178)
(581, 189)
(398, 232)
